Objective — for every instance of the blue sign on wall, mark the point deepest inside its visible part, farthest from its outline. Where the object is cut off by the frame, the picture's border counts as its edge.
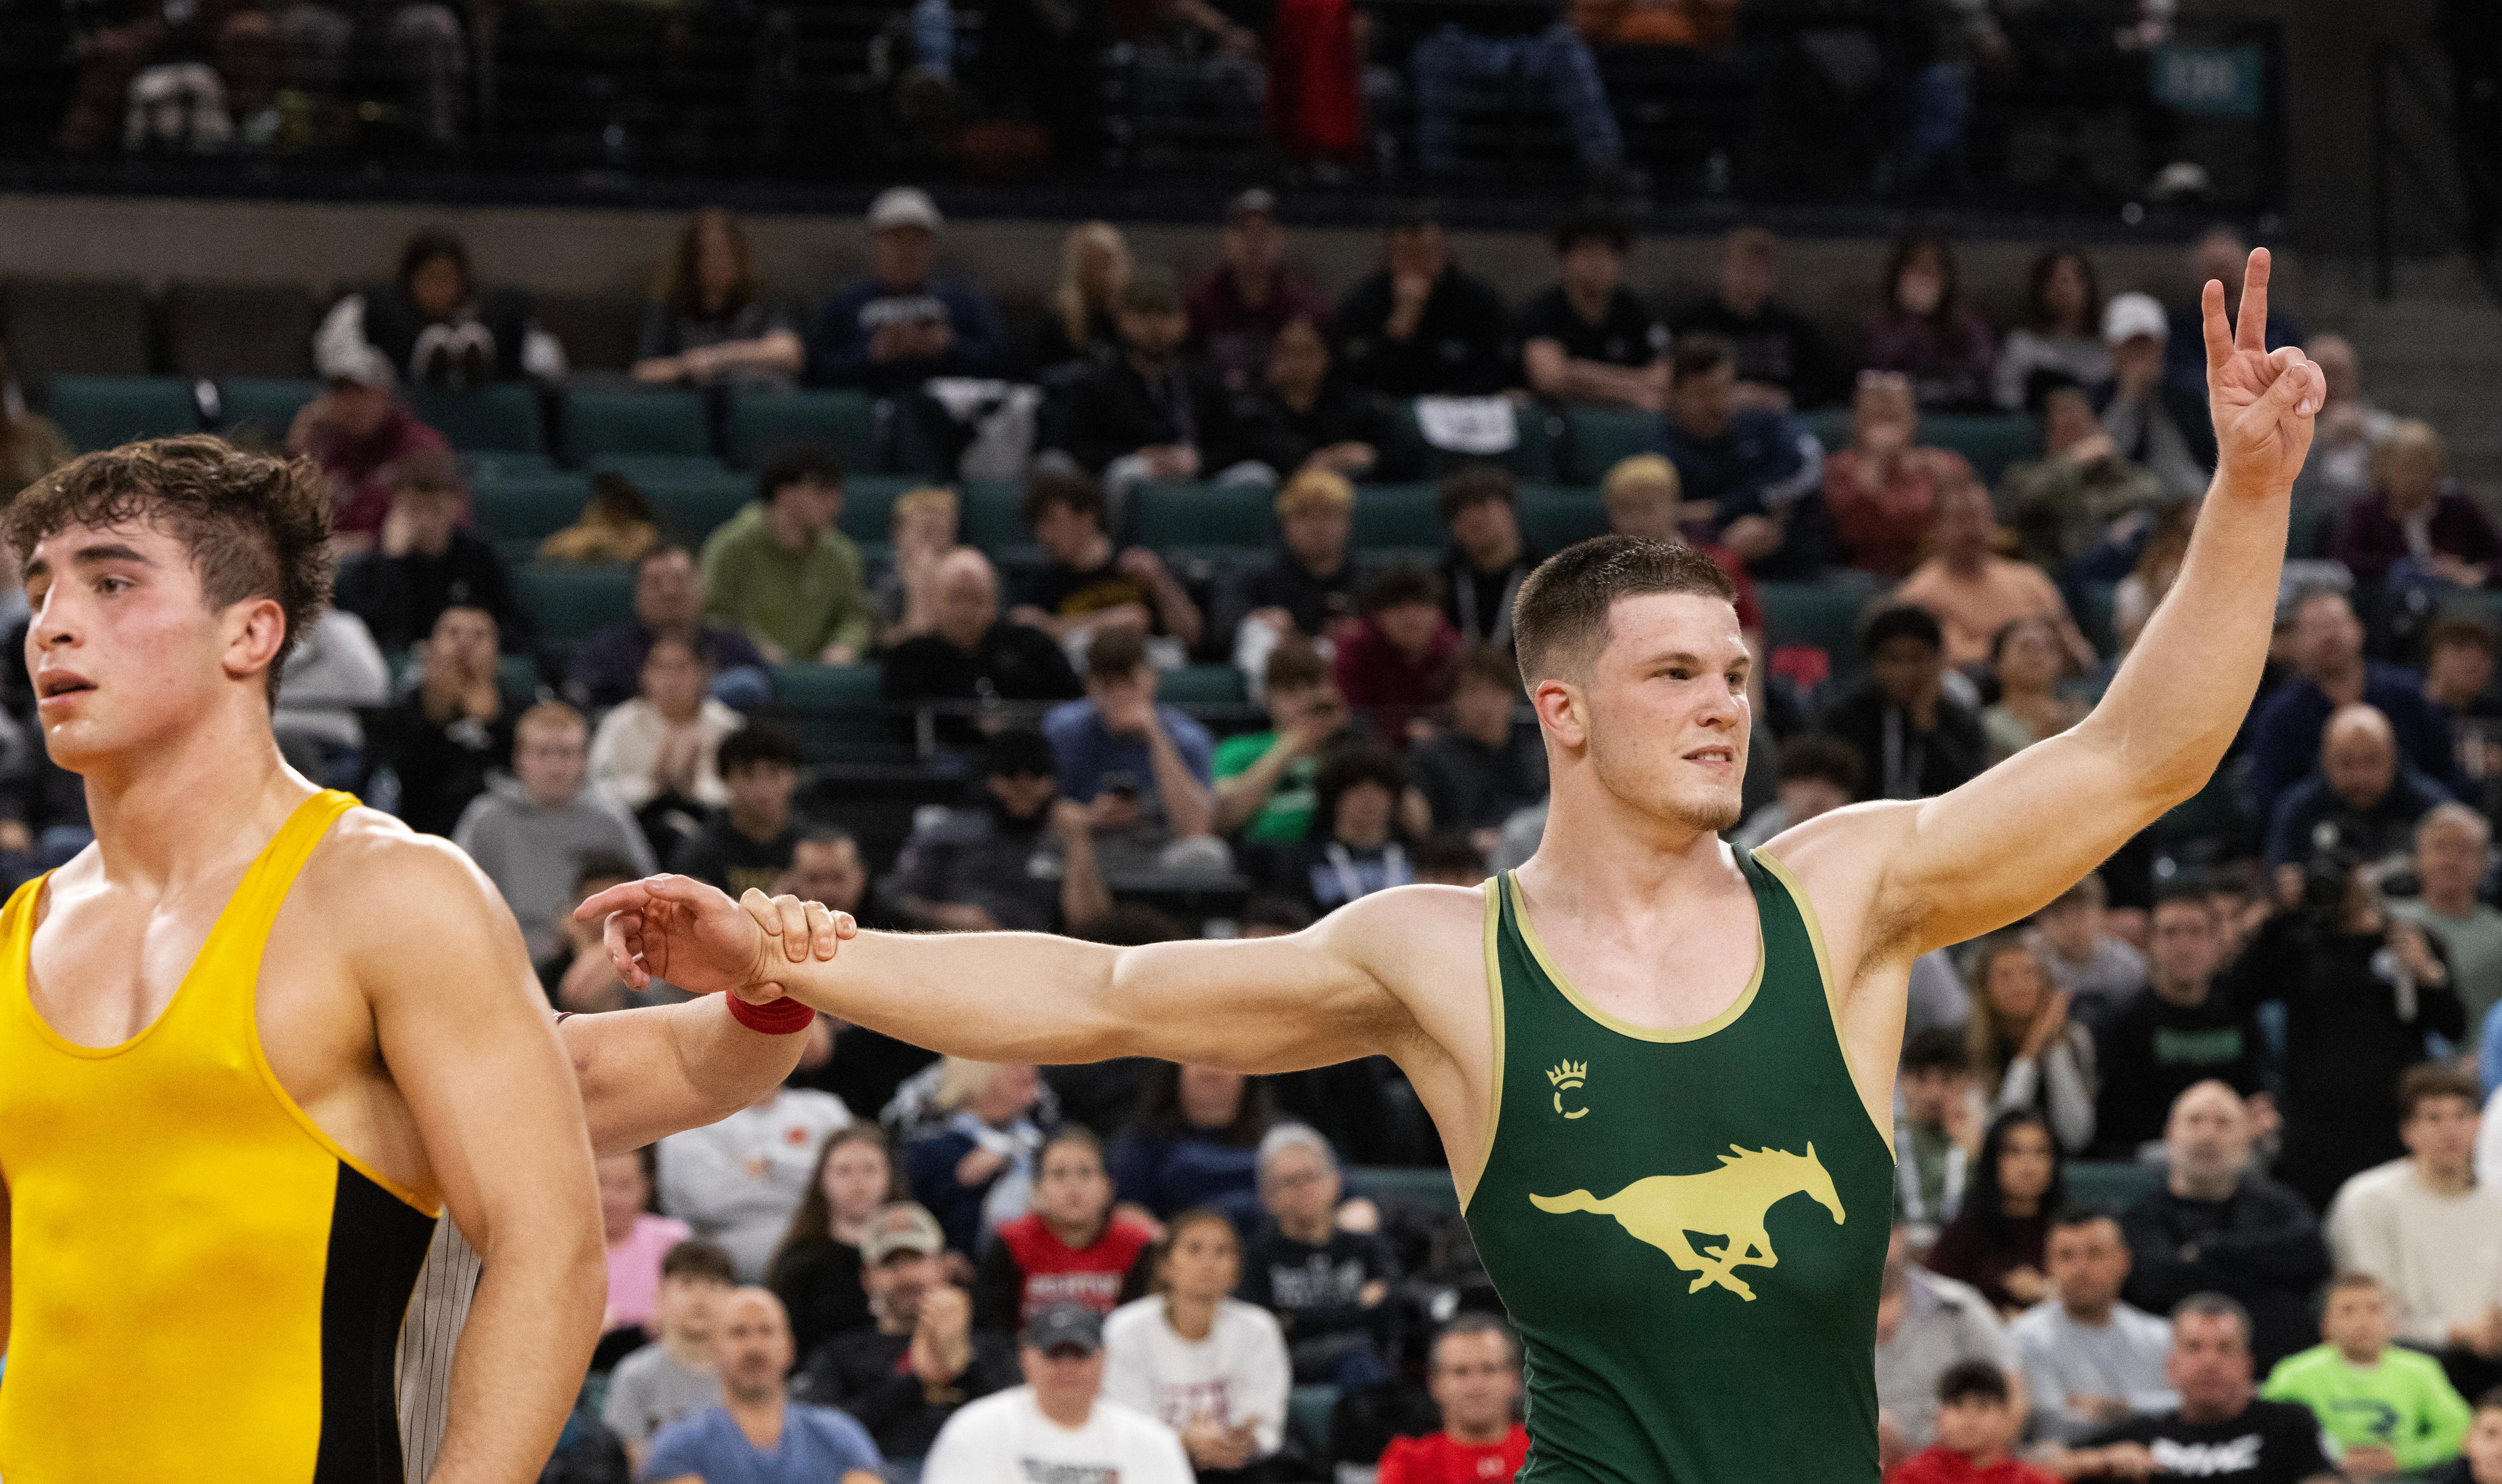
(2211, 82)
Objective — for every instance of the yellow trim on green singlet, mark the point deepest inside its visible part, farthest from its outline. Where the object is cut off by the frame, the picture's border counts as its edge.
(1625, 1028)
(1831, 987)
(1494, 1000)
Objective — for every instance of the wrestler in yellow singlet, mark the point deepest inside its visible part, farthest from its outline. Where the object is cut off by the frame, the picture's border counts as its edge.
(209, 1337)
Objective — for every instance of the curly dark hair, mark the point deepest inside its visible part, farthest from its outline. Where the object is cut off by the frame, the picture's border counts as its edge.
(258, 524)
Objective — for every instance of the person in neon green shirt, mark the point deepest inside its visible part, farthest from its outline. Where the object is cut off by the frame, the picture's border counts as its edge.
(1264, 780)
(2391, 1411)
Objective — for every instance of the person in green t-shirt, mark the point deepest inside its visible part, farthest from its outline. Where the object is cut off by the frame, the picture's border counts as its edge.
(779, 569)
(1264, 780)
(2390, 1410)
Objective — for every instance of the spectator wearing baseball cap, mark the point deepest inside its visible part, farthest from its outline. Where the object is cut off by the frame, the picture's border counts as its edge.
(1237, 307)
(2154, 424)
(1154, 411)
(904, 1375)
(1059, 1424)
(1010, 860)
(902, 325)
(355, 432)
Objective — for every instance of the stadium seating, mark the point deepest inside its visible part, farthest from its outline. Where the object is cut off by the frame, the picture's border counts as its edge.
(1822, 615)
(1991, 441)
(846, 421)
(1552, 518)
(1397, 516)
(74, 326)
(1185, 516)
(1430, 1190)
(240, 330)
(1202, 685)
(97, 411)
(835, 709)
(1596, 438)
(573, 602)
(1537, 430)
(525, 507)
(263, 408)
(600, 421)
(501, 419)
(2110, 1185)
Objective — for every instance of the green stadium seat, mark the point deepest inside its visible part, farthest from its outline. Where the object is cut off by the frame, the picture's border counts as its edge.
(601, 421)
(1823, 614)
(994, 515)
(1308, 1409)
(1397, 516)
(1597, 438)
(1168, 516)
(1832, 426)
(2108, 1185)
(868, 506)
(527, 506)
(1552, 518)
(262, 408)
(2095, 612)
(102, 412)
(1992, 441)
(573, 602)
(1540, 432)
(1431, 1188)
(691, 496)
(2214, 810)
(1202, 685)
(847, 421)
(2308, 537)
(834, 708)
(518, 674)
(501, 419)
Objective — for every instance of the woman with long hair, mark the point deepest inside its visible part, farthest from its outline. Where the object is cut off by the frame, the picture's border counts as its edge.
(638, 1237)
(1925, 330)
(976, 1170)
(2062, 331)
(2025, 1050)
(1194, 1141)
(2030, 661)
(1070, 1247)
(709, 320)
(1095, 266)
(1210, 1367)
(817, 1269)
(1995, 1242)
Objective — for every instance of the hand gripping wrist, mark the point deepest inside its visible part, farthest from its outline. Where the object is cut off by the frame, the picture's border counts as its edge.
(780, 1017)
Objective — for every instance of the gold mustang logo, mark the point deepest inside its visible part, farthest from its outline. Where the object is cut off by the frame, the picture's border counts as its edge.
(1727, 1202)
(1567, 1075)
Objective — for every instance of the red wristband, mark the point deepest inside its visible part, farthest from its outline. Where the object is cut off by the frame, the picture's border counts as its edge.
(782, 1017)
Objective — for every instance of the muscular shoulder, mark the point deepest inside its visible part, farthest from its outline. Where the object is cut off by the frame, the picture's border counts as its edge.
(401, 892)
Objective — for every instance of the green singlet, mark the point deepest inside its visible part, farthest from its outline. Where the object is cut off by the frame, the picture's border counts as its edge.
(1687, 1227)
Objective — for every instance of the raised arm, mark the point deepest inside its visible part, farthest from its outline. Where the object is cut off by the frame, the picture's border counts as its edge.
(647, 1073)
(1921, 875)
(471, 1049)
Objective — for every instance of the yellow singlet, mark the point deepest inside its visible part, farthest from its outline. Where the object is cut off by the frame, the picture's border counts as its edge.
(203, 1286)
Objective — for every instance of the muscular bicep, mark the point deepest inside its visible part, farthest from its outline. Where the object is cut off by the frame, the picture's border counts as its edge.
(472, 1048)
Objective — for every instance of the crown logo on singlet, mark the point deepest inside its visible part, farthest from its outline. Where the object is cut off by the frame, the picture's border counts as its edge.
(1567, 1076)
(1730, 1201)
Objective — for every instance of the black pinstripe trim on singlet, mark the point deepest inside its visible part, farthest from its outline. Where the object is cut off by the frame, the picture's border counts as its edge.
(378, 1241)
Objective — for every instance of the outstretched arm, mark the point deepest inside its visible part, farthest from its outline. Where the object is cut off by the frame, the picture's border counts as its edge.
(1949, 869)
(1251, 1005)
(646, 1074)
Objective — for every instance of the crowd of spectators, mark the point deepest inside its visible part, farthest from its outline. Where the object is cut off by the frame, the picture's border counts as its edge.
(2287, 1021)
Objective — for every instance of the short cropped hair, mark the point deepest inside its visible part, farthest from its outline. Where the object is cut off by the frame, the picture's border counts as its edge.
(1902, 621)
(255, 524)
(1479, 1324)
(1486, 664)
(1699, 354)
(1475, 484)
(1937, 1049)
(1653, 470)
(1560, 618)
(2427, 1080)
(1400, 587)
(1294, 664)
(1814, 755)
(755, 744)
(2088, 891)
(1593, 227)
(2463, 632)
(1971, 1381)
(1069, 492)
(2070, 1218)
(2352, 1279)
(696, 1258)
(1115, 655)
(550, 714)
(1285, 1136)
(1316, 487)
(798, 463)
(2214, 1305)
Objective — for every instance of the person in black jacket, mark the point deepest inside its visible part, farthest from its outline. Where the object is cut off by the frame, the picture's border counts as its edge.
(903, 1376)
(1915, 740)
(428, 562)
(1303, 416)
(971, 653)
(1484, 766)
(1419, 326)
(434, 326)
(1487, 560)
(2215, 1227)
(454, 727)
(2361, 991)
(1154, 411)
(2173, 1034)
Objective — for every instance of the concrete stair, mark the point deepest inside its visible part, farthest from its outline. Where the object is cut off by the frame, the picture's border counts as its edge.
(2434, 351)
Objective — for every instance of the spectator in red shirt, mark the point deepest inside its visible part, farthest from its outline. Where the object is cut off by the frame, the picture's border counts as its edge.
(1398, 666)
(355, 432)
(2417, 517)
(1882, 491)
(1976, 1424)
(1475, 1382)
(1069, 1248)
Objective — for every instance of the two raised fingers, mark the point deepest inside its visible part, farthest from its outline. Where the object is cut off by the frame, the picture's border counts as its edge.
(804, 928)
(2247, 329)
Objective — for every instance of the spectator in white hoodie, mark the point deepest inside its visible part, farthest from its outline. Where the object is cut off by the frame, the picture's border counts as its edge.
(1210, 1366)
